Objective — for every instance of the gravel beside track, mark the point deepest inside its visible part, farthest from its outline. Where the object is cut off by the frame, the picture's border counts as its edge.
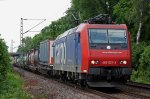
(40, 87)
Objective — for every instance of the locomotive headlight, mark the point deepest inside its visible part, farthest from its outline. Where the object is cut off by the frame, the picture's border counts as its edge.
(94, 62)
(123, 62)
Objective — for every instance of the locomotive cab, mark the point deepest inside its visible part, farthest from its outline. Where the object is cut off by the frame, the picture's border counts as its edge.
(106, 52)
(109, 53)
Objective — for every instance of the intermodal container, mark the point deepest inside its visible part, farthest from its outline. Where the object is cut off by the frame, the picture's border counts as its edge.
(46, 52)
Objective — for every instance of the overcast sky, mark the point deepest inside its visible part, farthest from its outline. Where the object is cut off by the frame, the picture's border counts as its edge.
(11, 12)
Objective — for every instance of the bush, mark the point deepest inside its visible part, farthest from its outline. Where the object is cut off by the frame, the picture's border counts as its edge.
(144, 67)
(12, 88)
(137, 50)
(4, 60)
(142, 72)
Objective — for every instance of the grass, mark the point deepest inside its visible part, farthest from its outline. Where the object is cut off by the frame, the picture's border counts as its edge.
(12, 88)
(140, 79)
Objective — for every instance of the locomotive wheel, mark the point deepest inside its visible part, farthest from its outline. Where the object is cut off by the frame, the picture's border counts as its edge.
(81, 83)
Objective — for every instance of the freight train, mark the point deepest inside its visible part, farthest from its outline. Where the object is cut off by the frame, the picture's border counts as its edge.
(97, 55)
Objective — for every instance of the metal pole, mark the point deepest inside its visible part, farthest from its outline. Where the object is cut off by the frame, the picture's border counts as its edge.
(12, 46)
(21, 31)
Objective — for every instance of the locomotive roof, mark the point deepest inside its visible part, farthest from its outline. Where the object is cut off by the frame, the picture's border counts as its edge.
(81, 26)
(72, 30)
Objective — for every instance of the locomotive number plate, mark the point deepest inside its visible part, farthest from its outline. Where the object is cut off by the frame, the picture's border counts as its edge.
(109, 62)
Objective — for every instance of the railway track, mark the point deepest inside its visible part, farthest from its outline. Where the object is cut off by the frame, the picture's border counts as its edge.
(119, 93)
(139, 85)
(136, 95)
(108, 96)
(74, 86)
(86, 89)
(123, 93)
(93, 91)
(138, 90)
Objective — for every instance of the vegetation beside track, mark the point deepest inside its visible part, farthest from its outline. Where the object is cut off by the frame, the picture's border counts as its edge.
(11, 85)
(141, 63)
(4, 60)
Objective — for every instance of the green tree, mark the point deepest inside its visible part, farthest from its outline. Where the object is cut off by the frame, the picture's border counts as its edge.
(90, 8)
(26, 44)
(4, 60)
(136, 14)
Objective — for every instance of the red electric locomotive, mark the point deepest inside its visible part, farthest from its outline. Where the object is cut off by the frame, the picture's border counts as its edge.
(94, 54)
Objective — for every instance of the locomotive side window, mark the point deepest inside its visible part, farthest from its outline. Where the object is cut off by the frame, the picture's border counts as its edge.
(98, 36)
(117, 36)
(78, 37)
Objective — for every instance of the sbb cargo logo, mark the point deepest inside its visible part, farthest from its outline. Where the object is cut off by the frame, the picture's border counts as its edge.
(60, 53)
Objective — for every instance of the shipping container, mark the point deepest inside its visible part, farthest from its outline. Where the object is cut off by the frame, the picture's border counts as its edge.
(29, 57)
(46, 52)
(36, 56)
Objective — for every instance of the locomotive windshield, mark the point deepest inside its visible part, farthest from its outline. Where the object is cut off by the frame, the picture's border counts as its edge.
(107, 36)
(101, 38)
(117, 36)
(98, 36)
